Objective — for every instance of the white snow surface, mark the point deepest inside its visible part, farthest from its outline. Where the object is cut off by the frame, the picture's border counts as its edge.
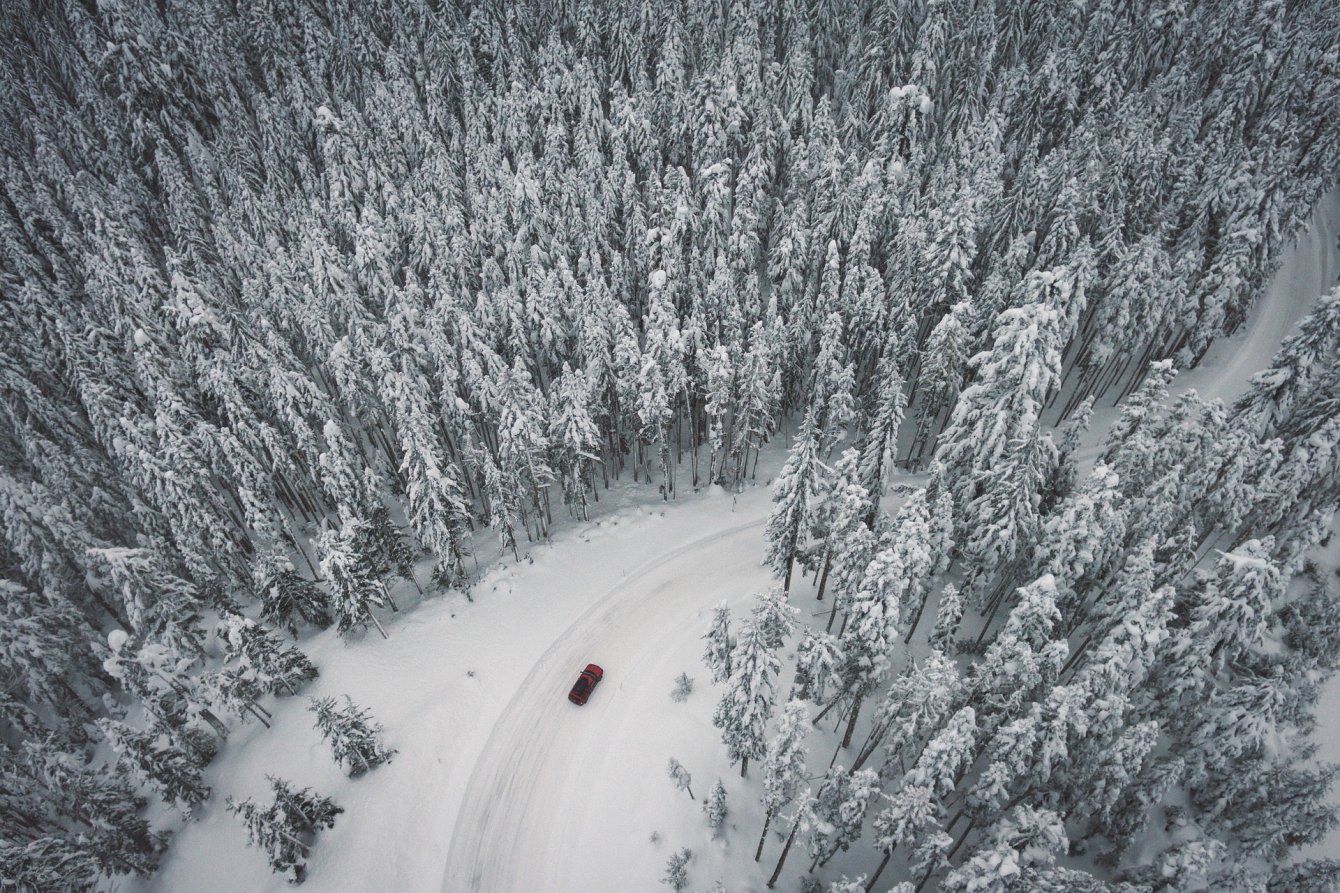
(502, 785)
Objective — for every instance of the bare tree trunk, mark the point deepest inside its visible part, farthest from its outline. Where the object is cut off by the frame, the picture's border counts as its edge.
(870, 884)
(831, 614)
(823, 580)
(376, 622)
(767, 822)
(851, 723)
(790, 839)
(916, 618)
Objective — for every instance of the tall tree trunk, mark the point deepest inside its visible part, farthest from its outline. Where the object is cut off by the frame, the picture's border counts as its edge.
(851, 723)
(916, 618)
(870, 884)
(790, 839)
(767, 822)
(823, 580)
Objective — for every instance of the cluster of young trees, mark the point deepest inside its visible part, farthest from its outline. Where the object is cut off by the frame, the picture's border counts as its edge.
(296, 294)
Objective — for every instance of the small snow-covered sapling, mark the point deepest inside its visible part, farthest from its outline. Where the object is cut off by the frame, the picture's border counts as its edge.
(680, 776)
(683, 688)
(676, 870)
(714, 807)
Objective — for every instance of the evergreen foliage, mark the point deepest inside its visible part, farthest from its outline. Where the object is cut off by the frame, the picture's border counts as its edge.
(355, 739)
(286, 828)
(340, 287)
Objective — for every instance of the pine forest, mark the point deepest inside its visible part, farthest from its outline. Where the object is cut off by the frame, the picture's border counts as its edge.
(926, 411)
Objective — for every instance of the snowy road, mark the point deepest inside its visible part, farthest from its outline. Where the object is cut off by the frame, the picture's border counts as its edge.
(530, 820)
(561, 795)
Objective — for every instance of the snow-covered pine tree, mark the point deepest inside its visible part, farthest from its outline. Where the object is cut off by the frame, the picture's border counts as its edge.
(744, 709)
(286, 828)
(948, 614)
(714, 807)
(276, 666)
(355, 739)
(286, 596)
(760, 393)
(1137, 416)
(351, 572)
(437, 509)
(871, 630)
(1273, 392)
(677, 870)
(912, 812)
(773, 617)
(162, 766)
(236, 690)
(818, 657)
(43, 654)
(97, 807)
(680, 777)
(160, 604)
(1025, 838)
(838, 812)
(994, 453)
(575, 438)
(720, 644)
(784, 766)
(879, 450)
(795, 497)
(916, 704)
(833, 378)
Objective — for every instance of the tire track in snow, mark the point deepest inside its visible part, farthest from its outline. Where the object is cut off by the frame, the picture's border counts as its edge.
(515, 824)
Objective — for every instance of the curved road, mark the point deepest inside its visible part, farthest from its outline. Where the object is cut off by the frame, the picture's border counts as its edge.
(527, 823)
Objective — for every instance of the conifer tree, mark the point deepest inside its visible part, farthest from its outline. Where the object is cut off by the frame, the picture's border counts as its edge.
(773, 617)
(714, 807)
(795, 499)
(676, 870)
(275, 665)
(942, 370)
(286, 828)
(839, 811)
(351, 571)
(286, 596)
(162, 766)
(818, 657)
(680, 777)
(746, 705)
(784, 766)
(994, 453)
(879, 452)
(720, 644)
(947, 617)
(355, 740)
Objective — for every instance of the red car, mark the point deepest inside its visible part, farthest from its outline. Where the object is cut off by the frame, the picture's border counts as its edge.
(585, 684)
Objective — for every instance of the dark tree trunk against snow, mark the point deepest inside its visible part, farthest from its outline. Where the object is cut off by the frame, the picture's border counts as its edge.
(762, 838)
(786, 849)
(870, 884)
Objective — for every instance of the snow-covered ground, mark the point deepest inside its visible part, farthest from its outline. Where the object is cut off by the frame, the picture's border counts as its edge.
(473, 695)
(500, 784)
